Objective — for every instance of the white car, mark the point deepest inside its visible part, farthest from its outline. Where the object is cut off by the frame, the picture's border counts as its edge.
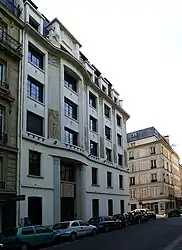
(73, 229)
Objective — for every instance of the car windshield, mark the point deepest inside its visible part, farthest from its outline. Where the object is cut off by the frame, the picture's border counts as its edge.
(62, 225)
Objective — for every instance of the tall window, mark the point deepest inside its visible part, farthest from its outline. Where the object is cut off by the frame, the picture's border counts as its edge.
(131, 155)
(120, 160)
(132, 181)
(2, 183)
(153, 163)
(35, 89)
(107, 111)
(34, 163)
(121, 206)
(35, 56)
(35, 124)
(34, 23)
(119, 139)
(110, 207)
(108, 154)
(152, 150)
(70, 136)
(93, 124)
(1, 74)
(92, 100)
(154, 177)
(70, 108)
(107, 133)
(93, 148)
(67, 173)
(95, 208)
(121, 181)
(70, 82)
(2, 119)
(109, 179)
(118, 119)
(94, 176)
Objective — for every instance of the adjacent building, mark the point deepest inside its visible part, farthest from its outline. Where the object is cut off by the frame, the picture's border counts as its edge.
(74, 142)
(10, 74)
(154, 171)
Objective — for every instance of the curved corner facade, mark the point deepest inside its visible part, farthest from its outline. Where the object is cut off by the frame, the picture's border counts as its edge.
(73, 145)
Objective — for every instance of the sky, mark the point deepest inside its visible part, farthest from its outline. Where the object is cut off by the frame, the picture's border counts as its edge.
(137, 45)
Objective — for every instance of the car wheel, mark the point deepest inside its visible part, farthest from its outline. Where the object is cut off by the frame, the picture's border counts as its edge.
(106, 229)
(73, 236)
(93, 232)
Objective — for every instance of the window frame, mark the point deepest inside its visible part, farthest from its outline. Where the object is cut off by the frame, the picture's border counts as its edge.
(119, 140)
(70, 109)
(94, 150)
(93, 124)
(107, 111)
(109, 154)
(109, 179)
(33, 82)
(118, 118)
(94, 176)
(120, 159)
(108, 133)
(92, 98)
(40, 119)
(34, 163)
(121, 179)
(74, 134)
(38, 56)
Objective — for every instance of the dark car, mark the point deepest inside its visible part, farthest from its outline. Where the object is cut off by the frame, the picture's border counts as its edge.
(104, 223)
(132, 218)
(151, 214)
(174, 213)
(122, 218)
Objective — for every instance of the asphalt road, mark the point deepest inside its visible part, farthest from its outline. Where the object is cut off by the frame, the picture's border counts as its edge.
(155, 235)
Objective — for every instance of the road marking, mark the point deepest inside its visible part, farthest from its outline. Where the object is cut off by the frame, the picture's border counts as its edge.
(174, 243)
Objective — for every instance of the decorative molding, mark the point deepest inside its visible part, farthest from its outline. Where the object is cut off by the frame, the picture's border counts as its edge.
(53, 124)
(53, 60)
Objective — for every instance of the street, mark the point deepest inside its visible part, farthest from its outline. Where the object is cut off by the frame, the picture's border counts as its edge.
(155, 235)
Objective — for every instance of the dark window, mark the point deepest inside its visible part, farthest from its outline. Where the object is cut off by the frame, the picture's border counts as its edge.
(107, 133)
(92, 100)
(35, 89)
(75, 224)
(119, 139)
(1, 74)
(34, 163)
(115, 99)
(35, 57)
(153, 163)
(152, 150)
(82, 223)
(132, 180)
(93, 124)
(35, 123)
(94, 176)
(67, 173)
(121, 206)
(27, 231)
(2, 120)
(70, 82)
(118, 119)
(95, 208)
(109, 179)
(62, 225)
(107, 111)
(70, 136)
(121, 181)
(42, 230)
(70, 109)
(154, 177)
(33, 23)
(108, 154)
(110, 207)
(10, 232)
(93, 148)
(120, 160)
(103, 88)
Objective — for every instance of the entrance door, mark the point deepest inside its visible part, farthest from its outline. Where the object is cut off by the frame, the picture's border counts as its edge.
(67, 209)
(35, 210)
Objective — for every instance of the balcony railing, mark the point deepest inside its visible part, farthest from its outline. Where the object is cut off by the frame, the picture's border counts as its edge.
(4, 85)
(9, 43)
(3, 138)
(11, 7)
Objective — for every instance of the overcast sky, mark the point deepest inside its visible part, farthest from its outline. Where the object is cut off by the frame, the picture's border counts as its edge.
(137, 45)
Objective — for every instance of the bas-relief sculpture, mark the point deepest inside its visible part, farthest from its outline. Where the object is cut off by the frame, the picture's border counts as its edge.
(54, 36)
(20, 5)
(54, 60)
(53, 126)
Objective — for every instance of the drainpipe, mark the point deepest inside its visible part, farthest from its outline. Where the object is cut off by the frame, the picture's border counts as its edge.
(19, 127)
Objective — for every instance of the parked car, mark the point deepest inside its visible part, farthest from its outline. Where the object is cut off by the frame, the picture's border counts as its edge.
(123, 220)
(73, 229)
(142, 215)
(151, 214)
(174, 213)
(104, 223)
(27, 237)
(133, 218)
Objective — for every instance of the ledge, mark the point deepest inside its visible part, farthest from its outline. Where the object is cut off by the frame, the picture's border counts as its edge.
(34, 176)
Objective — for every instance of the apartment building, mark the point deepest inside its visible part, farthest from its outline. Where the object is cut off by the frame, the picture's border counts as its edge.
(74, 142)
(154, 171)
(10, 73)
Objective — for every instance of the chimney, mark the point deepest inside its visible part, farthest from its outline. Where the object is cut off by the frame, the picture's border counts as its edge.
(167, 138)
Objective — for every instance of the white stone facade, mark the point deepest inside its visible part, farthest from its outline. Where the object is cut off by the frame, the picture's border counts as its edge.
(66, 123)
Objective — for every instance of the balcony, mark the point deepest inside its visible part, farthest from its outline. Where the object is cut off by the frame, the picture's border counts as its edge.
(11, 7)
(9, 44)
(3, 139)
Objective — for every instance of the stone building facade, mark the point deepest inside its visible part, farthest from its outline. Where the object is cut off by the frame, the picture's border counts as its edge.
(10, 74)
(154, 171)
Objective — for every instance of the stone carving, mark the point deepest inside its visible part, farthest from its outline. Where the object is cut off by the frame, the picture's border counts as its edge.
(102, 147)
(20, 5)
(114, 152)
(54, 60)
(53, 125)
(53, 36)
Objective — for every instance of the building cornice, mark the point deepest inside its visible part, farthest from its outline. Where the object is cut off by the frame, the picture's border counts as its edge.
(58, 52)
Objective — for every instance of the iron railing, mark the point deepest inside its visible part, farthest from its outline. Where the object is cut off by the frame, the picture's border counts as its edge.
(4, 85)
(11, 7)
(3, 138)
(9, 42)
